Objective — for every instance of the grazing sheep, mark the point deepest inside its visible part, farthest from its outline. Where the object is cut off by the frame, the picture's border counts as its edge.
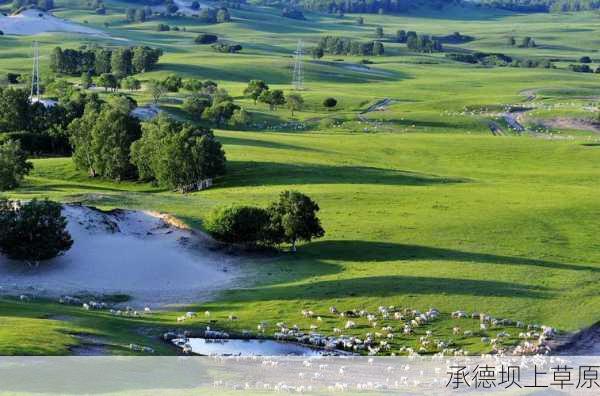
(333, 310)
(456, 330)
(350, 324)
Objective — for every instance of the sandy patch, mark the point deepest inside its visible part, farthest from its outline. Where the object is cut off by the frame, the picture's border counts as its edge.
(570, 123)
(32, 21)
(129, 252)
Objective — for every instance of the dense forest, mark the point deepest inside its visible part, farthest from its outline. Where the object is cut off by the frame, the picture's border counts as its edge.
(542, 5)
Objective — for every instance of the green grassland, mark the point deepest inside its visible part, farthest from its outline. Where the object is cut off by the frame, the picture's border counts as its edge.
(426, 210)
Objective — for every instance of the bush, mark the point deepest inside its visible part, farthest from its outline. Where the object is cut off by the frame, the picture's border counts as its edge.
(243, 225)
(13, 165)
(206, 38)
(33, 231)
(585, 59)
(330, 102)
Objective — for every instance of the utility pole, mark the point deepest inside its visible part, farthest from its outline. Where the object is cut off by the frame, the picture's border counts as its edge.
(35, 75)
(298, 78)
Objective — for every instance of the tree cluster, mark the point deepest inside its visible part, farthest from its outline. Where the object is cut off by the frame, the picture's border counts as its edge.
(499, 59)
(122, 61)
(334, 45)
(226, 47)
(45, 5)
(290, 219)
(138, 14)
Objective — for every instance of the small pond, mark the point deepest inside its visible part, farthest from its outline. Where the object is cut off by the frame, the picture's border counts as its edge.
(230, 347)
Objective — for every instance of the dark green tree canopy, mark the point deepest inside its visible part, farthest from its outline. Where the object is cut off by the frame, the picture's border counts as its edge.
(13, 165)
(33, 231)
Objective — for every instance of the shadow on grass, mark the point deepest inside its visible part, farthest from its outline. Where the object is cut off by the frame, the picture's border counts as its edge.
(227, 140)
(249, 173)
(381, 251)
(389, 286)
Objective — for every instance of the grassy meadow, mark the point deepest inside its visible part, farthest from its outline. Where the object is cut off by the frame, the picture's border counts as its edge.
(422, 206)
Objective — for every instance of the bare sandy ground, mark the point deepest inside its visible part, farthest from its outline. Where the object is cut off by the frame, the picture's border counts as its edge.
(29, 22)
(571, 123)
(140, 254)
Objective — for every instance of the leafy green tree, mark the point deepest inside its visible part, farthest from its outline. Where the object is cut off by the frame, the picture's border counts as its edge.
(295, 102)
(13, 165)
(379, 32)
(255, 88)
(131, 84)
(102, 61)
(242, 225)
(272, 98)
(14, 110)
(120, 62)
(102, 140)
(144, 58)
(86, 80)
(176, 154)
(108, 81)
(33, 231)
(294, 218)
(360, 21)
(157, 89)
(511, 41)
(317, 53)
(220, 113)
(240, 118)
(401, 36)
(173, 83)
(140, 15)
(223, 15)
(196, 104)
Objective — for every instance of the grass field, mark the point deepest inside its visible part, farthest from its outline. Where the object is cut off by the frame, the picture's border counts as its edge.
(426, 210)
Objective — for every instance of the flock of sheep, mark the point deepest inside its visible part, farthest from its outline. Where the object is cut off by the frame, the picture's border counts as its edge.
(387, 328)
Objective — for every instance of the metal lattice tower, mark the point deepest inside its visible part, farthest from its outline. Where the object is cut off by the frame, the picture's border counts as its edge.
(298, 78)
(35, 75)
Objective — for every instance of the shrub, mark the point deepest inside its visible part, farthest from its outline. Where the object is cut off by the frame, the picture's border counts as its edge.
(330, 102)
(243, 225)
(33, 231)
(206, 38)
(585, 59)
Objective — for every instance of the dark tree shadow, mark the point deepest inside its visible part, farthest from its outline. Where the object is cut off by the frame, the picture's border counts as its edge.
(389, 286)
(362, 251)
(250, 173)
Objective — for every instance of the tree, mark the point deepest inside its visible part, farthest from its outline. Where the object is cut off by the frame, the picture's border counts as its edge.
(244, 225)
(294, 218)
(144, 58)
(177, 154)
(157, 89)
(195, 5)
(220, 113)
(173, 83)
(317, 53)
(378, 48)
(223, 15)
(130, 14)
(255, 88)
(272, 98)
(240, 118)
(121, 62)
(108, 81)
(195, 105)
(379, 32)
(15, 109)
(102, 140)
(330, 103)
(33, 231)
(86, 80)
(206, 38)
(13, 165)
(511, 41)
(401, 36)
(295, 102)
(131, 84)
(585, 59)
(140, 15)
(360, 21)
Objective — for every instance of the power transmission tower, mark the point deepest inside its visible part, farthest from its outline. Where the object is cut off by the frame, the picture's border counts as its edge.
(35, 75)
(298, 78)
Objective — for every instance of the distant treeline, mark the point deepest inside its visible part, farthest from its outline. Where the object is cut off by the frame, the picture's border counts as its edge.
(333, 45)
(122, 61)
(542, 5)
(360, 6)
(498, 59)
